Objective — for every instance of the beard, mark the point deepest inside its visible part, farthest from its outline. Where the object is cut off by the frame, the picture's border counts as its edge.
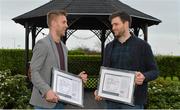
(60, 33)
(120, 34)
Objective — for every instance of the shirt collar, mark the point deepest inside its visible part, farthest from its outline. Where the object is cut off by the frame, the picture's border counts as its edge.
(129, 39)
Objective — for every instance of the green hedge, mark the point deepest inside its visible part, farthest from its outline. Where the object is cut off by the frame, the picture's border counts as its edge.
(90, 64)
(169, 66)
(83, 51)
(14, 60)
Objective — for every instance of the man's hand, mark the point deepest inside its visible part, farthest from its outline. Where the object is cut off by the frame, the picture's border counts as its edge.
(51, 96)
(139, 78)
(97, 98)
(83, 76)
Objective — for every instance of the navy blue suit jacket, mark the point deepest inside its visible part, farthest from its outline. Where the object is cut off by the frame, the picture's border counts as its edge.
(143, 61)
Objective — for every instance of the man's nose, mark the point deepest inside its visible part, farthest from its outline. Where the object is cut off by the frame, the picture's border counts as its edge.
(113, 27)
(66, 25)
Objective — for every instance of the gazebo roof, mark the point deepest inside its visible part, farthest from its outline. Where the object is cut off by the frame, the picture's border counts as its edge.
(85, 8)
(83, 14)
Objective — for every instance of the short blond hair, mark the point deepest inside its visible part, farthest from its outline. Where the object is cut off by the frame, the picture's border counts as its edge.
(51, 15)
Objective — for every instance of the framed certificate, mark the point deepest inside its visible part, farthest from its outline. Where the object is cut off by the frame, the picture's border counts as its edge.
(69, 87)
(117, 85)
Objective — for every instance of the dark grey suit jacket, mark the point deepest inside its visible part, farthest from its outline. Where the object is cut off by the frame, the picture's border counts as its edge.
(45, 56)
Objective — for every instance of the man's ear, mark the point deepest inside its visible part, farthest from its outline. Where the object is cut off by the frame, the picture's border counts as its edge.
(53, 23)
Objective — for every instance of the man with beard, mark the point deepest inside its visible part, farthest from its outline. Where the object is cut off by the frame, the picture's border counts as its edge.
(129, 52)
(49, 52)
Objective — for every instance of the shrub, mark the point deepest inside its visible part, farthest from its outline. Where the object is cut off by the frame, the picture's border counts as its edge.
(164, 94)
(13, 91)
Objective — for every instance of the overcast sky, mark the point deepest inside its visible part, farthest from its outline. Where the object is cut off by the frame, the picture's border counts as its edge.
(163, 38)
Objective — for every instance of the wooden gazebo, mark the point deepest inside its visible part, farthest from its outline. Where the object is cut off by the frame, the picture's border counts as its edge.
(83, 14)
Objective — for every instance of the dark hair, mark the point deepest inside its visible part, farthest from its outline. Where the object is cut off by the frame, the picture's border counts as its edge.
(53, 14)
(123, 15)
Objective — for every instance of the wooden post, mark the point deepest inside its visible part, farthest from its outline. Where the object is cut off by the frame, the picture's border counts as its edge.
(103, 39)
(33, 36)
(27, 31)
(136, 31)
(145, 32)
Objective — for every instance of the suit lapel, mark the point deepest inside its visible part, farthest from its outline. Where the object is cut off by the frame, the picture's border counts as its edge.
(55, 51)
(108, 54)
